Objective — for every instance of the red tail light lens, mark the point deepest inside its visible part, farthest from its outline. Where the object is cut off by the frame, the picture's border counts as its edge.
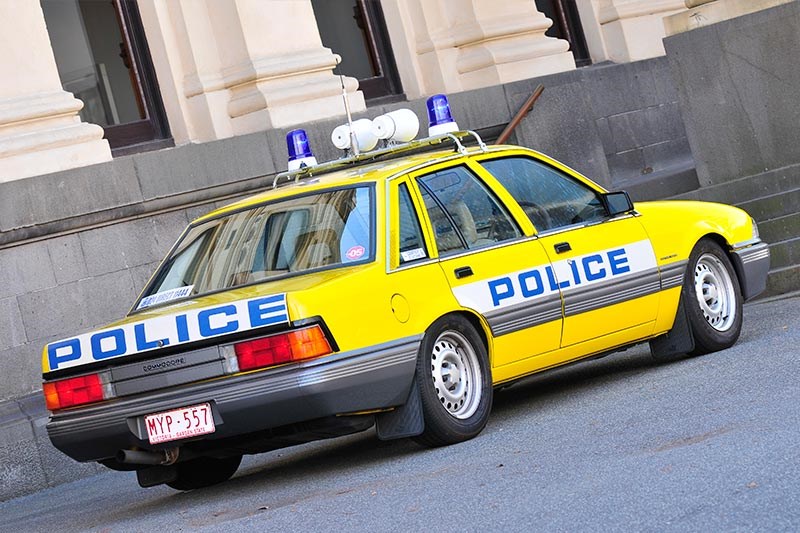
(74, 391)
(297, 345)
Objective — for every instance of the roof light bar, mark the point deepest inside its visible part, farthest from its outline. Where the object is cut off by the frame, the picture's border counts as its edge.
(397, 127)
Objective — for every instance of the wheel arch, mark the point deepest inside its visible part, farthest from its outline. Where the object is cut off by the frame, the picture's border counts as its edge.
(727, 248)
(477, 322)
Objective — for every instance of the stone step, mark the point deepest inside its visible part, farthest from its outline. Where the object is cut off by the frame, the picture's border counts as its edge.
(748, 188)
(782, 281)
(773, 206)
(661, 184)
(780, 229)
(784, 253)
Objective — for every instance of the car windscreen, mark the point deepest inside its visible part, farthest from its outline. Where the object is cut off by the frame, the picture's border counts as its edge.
(291, 236)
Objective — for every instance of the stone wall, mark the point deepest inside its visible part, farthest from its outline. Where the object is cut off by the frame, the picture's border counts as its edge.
(738, 84)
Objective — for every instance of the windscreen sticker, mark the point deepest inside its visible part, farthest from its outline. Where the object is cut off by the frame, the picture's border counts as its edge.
(355, 252)
(167, 330)
(165, 296)
(566, 275)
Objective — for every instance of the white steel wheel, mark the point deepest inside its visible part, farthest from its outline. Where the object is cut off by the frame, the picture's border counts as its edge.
(713, 298)
(455, 371)
(715, 292)
(454, 382)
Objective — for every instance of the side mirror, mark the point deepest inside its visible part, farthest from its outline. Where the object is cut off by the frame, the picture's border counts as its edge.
(617, 203)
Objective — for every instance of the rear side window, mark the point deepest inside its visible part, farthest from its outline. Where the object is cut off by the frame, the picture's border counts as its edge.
(549, 197)
(268, 241)
(412, 245)
(463, 211)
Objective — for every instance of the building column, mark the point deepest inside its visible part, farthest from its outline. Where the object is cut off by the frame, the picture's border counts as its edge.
(634, 29)
(705, 12)
(238, 66)
(40, 130)
(457, 45)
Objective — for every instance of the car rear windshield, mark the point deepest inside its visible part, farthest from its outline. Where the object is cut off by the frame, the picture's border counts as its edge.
(267, 241)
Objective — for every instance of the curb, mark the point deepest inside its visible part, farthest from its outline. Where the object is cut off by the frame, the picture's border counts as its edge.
(28, 461)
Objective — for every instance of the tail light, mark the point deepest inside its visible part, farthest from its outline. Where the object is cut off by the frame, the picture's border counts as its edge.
(76, 391)
(292, 346)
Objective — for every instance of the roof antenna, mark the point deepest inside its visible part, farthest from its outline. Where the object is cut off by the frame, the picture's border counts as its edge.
(353, 140)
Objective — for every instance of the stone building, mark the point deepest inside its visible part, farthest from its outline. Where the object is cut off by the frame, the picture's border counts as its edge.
(122, 120)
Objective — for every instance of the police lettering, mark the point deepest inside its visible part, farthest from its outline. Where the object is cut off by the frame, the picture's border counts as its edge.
(543, 280)
(174, 329)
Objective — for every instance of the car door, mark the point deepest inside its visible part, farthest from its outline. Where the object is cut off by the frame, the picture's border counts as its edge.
(604, 266)
(493, 267)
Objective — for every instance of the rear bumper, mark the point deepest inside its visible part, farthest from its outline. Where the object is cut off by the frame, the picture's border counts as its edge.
(373, 378)
(752, 266)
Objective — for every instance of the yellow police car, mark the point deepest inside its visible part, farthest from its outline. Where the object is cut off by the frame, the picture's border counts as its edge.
(395, 288)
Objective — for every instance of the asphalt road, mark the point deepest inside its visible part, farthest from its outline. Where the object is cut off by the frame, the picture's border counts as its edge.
(618, 444)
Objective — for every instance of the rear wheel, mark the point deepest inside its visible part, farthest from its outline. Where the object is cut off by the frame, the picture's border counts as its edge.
(454, 382)
(204, 472)
(713, 297)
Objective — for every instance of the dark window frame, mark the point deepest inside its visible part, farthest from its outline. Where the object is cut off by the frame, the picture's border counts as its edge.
(386, 85)
(151, 132)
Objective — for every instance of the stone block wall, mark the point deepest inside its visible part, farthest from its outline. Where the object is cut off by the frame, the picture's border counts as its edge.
(738, 85)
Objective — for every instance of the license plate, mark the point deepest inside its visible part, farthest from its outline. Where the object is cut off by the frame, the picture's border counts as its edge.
(179, 423)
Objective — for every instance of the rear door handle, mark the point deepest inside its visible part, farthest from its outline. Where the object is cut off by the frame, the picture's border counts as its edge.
(463, 272)
(562, 247)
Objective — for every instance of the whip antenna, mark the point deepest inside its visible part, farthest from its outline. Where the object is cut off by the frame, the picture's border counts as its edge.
(353, 140)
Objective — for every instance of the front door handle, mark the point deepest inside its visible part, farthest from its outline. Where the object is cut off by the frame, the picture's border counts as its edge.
(463, 272)
(562, 247)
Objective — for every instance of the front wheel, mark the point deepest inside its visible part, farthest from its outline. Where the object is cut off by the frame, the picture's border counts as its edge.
(454, 382)
(714, 298)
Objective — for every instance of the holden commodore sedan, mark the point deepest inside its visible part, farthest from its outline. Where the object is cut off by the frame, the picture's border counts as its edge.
(394, 289)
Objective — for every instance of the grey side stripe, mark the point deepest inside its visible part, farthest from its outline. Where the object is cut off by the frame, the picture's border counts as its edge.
(672, 274)
(525, 315)
(611, 292)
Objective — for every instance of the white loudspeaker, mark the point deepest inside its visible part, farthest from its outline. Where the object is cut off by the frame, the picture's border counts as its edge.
(363, 132)
(401, 125)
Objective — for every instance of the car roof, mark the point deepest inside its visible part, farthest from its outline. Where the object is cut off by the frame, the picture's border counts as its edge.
(364, 171)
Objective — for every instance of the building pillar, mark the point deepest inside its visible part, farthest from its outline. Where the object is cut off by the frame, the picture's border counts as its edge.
(457, 45)
(40, 130)
(238, 66)
(705, 12)
(634, 29)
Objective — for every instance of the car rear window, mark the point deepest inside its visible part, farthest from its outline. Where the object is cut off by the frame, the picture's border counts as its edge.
(295, 235)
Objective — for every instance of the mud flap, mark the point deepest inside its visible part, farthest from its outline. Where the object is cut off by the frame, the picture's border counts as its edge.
(152, 476)
(678, 341)
(404, 421)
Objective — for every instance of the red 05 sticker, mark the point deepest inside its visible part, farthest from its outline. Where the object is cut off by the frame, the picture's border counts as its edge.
(355, 252)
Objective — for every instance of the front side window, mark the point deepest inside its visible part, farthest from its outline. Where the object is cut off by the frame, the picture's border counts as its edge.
(463, 212)
(268, 241)
(549, 197)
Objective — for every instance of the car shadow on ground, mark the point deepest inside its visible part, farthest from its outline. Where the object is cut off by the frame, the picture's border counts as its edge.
(312, 471)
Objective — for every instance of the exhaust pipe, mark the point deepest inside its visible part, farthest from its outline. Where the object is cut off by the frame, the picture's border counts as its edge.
(143, 457)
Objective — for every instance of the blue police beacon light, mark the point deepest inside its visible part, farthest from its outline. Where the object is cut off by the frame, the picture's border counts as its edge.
(440, 120)
(299, 150)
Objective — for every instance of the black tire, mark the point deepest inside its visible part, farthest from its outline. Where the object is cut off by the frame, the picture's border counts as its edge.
(713, 298)
(454, 382)
(204, 472)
